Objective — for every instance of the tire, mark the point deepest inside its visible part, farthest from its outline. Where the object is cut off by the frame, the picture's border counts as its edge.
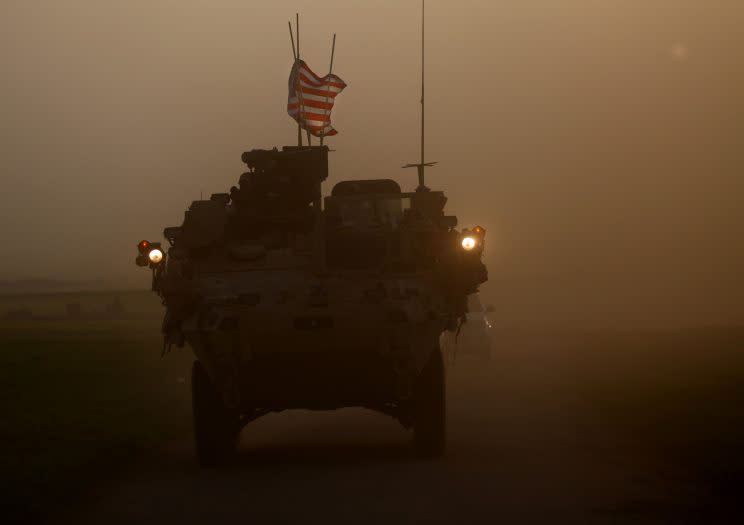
(216, 429)
(429, 420)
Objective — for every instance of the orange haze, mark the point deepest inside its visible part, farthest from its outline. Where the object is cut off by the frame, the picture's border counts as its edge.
(600, 143)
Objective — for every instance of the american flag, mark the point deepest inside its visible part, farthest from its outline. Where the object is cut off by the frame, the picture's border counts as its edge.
(315, 96)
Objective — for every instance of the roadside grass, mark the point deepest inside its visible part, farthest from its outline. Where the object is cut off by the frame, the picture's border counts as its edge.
(77, 397)
(672, 399)
(680, 396)
(54, 304)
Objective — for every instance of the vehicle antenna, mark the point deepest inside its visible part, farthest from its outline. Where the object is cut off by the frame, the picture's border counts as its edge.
(291, 39)
(297, 57)
(422, 164)
(299, 90)
(328, 88)
(421, 172)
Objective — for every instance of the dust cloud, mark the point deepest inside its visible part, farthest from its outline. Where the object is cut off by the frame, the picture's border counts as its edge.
(599, 143)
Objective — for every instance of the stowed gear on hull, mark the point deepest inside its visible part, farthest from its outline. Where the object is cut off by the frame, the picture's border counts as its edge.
(290, 306)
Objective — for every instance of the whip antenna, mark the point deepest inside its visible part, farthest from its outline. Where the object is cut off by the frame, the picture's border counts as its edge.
(422, 163)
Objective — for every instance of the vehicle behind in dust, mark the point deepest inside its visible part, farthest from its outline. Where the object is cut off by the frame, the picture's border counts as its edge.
(474, 338)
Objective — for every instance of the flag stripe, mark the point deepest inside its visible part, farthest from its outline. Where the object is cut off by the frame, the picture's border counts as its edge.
(311, 102)
(329, 97)
(307, 74)
(335, 86)
(311, 105)
(322, 93)
(312, 117)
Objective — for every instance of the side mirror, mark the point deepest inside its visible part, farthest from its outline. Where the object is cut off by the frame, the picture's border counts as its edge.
(490, 309)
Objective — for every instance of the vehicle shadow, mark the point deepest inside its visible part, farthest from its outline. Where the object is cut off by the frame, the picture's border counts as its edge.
(333, 453)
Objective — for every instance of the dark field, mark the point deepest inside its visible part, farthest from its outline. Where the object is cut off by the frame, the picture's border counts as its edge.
(561, 426)
(81, 398)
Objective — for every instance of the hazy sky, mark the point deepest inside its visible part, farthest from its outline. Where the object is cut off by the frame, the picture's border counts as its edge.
(599, 142)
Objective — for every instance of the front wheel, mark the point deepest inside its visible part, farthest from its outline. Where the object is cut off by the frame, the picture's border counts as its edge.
(216, 428)
(429, 422)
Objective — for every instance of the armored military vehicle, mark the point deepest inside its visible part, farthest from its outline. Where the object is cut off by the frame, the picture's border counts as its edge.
(288, 303)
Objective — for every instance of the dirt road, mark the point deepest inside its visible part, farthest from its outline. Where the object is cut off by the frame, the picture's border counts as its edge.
(525, 446)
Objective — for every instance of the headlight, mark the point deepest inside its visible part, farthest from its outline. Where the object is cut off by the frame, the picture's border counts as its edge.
(468, 243)
(150, 254)
(155, 255)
